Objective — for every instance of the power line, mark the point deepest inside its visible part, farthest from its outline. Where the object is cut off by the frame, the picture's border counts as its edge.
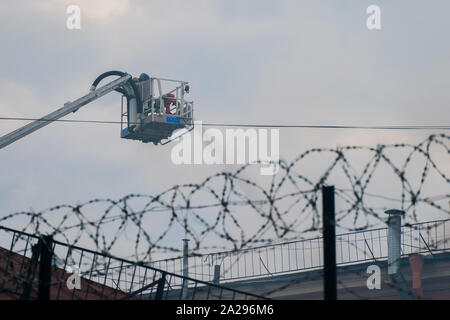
(329, 126)
(248, 125)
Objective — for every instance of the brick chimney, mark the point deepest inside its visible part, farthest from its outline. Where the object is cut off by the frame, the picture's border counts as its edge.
(416, 263)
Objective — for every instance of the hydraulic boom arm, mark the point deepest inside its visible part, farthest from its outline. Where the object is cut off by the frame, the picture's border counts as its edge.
(61, 112)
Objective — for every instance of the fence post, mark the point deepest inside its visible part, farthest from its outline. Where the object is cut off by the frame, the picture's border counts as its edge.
(45, 246)
(329, 243)
(160, 287)
(185, 268)
(28, 282)
(216, 274)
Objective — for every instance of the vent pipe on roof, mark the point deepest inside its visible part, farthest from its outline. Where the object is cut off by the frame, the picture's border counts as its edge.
(394, 240)
(394, 253)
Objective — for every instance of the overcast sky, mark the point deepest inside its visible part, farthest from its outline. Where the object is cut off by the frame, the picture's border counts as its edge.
(285, 62)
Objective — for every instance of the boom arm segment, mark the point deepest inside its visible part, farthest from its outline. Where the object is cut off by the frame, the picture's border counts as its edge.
(63, 111)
